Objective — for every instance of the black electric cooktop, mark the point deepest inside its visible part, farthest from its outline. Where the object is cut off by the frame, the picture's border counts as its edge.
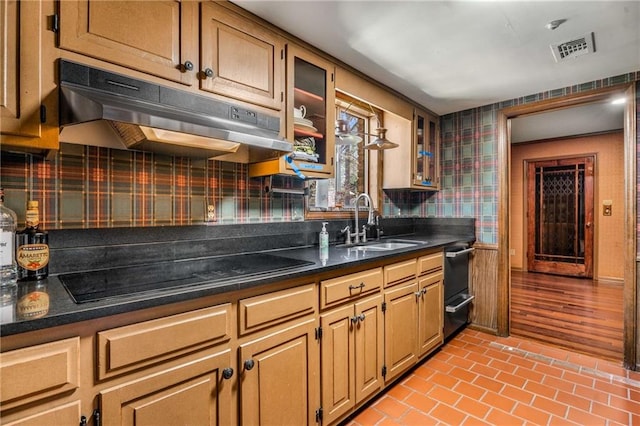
(124, 281)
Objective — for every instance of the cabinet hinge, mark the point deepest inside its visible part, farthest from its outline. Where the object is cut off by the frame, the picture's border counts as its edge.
(332, 78)
(384, 371)
(43, 114)
(319, 415)
(318, 333)
(55, 23)
(384, 306)
(281, 96)
(96, 418)
(282, 54)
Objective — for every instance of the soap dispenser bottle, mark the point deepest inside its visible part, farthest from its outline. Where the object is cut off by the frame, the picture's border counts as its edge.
(324, 242)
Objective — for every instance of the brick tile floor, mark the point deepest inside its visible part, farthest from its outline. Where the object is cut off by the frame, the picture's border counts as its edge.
(480, 379)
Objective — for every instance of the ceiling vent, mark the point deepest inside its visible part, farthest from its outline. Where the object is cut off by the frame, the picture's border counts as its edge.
(574, 48)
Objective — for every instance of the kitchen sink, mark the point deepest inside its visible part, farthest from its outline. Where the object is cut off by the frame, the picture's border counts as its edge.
(388, 245)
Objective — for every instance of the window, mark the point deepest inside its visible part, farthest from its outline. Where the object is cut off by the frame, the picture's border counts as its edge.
(335, 197)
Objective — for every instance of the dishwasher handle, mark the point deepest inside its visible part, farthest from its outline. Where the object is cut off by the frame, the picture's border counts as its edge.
(456, 308)
(459, 253)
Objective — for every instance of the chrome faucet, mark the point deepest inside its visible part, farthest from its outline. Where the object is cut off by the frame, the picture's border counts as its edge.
(357, 234)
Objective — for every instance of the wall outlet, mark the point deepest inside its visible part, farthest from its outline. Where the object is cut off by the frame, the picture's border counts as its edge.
(211, 213)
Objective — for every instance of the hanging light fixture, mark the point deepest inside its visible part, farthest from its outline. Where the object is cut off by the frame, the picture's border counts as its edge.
(345, 136)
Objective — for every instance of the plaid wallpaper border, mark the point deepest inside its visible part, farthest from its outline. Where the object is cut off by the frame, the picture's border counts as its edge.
(93, 187)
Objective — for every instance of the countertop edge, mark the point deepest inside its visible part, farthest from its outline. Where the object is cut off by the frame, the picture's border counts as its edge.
(64, 311)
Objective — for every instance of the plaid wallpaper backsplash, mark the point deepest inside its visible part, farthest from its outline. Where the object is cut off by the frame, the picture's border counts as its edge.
(93, 187)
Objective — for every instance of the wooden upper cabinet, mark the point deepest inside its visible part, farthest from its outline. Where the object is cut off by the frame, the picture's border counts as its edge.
(240, 59)
(419, 141)
(28, 97)
(310, 84)
(154, 37)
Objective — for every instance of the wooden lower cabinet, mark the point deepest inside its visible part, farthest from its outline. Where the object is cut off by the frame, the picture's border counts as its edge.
(278, 377)
(430, 313)
(66, 414)
(400, 328)
(37, 380)
(310, 353)
(351, 356)
(194, 393)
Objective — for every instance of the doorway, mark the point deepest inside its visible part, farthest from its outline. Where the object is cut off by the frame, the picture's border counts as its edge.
(560, 216)
(626, 253)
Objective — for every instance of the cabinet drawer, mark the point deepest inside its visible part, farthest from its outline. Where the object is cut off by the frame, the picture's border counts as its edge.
(38, 372)
(348, 287)
(68, 414)
(399, 272)
(139, 345)
(266, 310)
(430, 263)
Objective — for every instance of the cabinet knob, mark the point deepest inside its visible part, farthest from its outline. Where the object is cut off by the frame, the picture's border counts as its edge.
(248, 364)
(354, 320)
(227, 373)
(188, 66)
(208, 73)
(361, 317)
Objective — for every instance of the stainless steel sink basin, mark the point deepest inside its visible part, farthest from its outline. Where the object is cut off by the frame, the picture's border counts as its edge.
(388, 245)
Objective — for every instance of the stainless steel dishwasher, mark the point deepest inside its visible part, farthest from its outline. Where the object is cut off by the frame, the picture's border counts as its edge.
(456, 288)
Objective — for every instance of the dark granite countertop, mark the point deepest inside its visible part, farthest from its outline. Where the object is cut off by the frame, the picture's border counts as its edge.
(63, 310)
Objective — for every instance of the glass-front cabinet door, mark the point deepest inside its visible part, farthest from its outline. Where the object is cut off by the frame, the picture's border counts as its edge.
(426, 152)
(310, 118)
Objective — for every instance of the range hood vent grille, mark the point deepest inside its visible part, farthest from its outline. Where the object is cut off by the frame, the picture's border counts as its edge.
(574, 48)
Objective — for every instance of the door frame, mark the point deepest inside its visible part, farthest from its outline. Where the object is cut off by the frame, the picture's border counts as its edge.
(630, 193)
(571, 269)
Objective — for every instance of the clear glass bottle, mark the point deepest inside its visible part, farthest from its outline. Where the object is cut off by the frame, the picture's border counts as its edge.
(8, 224)
(32, 247)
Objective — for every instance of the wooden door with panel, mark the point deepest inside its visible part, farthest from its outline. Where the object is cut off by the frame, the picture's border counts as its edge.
(278, 377)
(28, 96)
(430, 313)
(158, 38)
(400, 328)
(241, 59)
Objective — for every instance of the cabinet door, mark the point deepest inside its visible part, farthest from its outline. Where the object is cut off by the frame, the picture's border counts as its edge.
(369, 347)
(431, 307)
(28, 97)
(240, 59)
(400, 328)
(338, 362)
(194, 393)
(279, 381)
(310, 84)
(426, 152)
(155, 37)
(312, 87)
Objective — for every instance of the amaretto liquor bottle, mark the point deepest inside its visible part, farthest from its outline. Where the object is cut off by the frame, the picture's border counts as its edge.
(32, 247)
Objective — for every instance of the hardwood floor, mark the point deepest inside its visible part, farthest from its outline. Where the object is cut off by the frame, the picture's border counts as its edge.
(582, 315)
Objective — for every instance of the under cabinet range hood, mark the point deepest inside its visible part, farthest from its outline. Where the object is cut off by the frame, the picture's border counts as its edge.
(102, 108)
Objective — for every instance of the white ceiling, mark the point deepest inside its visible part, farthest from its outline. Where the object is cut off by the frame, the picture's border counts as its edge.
(454, 55)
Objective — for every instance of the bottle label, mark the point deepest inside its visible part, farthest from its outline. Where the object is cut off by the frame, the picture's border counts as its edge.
(33, 305)
(33, 256)
(6, 248)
